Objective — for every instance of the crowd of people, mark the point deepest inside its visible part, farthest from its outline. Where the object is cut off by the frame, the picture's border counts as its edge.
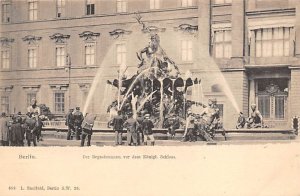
(139, 130)
(79, 126)
(17, 128)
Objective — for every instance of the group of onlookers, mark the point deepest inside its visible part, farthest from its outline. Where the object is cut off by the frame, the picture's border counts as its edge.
(139, 129)
(15, 129)
(80, 126)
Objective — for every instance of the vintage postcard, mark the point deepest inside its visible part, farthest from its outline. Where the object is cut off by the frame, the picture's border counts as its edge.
(150, 97)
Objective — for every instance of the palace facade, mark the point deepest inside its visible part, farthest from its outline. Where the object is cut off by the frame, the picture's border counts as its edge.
(52, 50)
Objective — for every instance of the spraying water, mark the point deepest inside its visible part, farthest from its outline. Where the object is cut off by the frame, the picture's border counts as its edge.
(97, 78)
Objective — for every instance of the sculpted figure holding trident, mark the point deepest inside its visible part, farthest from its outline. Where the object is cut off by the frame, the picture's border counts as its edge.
(155, 56)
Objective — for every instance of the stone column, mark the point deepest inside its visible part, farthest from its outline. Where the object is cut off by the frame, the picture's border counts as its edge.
(204, 30)
(251, 93)
(297, 30)
(237, 33)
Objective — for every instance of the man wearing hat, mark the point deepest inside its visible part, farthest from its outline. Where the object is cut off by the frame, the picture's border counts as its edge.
(78, 118)
(4, 130)
(147, 128)
(70, 123)
(17, 134)
(118, 122)
(131, 125)
(87, 128)
(30, 127)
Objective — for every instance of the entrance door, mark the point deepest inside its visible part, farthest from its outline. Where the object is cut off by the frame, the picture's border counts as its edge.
(272, 101)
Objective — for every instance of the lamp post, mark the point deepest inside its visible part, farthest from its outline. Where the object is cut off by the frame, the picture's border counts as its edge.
(68, 63)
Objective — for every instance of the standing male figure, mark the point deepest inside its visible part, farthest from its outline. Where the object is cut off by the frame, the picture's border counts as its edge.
(78, 118)
(140, 133)
(147, 128)
(70, 124)
(17, 134)
(131, 125)
(4, 131)
(189, 133)
(87, 128)
(118, 122)
(30, 124)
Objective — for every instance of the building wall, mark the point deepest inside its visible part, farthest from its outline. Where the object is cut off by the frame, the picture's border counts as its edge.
(237, 16)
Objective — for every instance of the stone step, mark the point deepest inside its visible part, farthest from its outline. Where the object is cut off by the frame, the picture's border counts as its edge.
(178, 137)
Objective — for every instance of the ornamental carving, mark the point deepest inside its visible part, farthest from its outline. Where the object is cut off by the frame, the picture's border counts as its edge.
(59, 38)
(89, 36)
(187, 28)
(119, 32)
(31, 39)
(6, 41)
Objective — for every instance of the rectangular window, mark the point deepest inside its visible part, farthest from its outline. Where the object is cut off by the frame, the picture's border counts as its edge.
(5, 13)
(264, 106)
(5, 104)
(279, 107)
(222, 1)
(90, 7)
(59, 102)
(60, 56)
(32, 57)
(154, 4)
(271, 42)
(222, 44)
(186, 50)
(121, 54)
(5, 59)
(30, 96)
(32, 9)
(60, 8)
(121, 5)
(186, 3)
(221, 109)
(90, 54)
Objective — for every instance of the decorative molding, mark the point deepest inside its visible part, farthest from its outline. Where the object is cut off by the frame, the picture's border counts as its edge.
(6, 41)
(59, 38)
(6, 88)
(31, 39)
(89, 36)
(59, 87)
(85, 87)
(31, 88)
(153, 29)
(187, 28)
(119, 32)
(272, 89)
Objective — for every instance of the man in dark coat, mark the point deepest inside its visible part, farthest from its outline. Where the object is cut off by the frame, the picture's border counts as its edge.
(140, 133)
(17, 134)
(131, 125)
(31, 134)
(147, 128)
(118, 122)
(4, 130)
(78, 119)
(70, 124)
(87, 128)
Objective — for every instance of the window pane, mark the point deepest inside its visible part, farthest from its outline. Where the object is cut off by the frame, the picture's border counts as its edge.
(264, 106)
(279, 107)
(59, 99)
